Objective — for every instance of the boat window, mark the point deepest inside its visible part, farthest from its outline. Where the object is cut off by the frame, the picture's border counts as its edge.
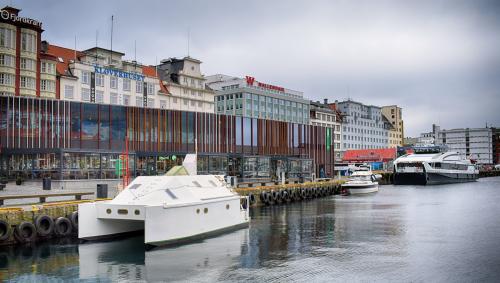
(134, 186)
(169, 192)
(360, 178)
(197, 184)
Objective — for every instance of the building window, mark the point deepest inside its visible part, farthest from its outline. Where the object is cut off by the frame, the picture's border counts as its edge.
(126, 84)
(126, 99)
(6, 79)
(174, 100)
(192, 102)
(185, 102)
(47, 68)
(151, 89)
(113, 98)
(199, 104)
(28, 64)
(6, 60)
(99, 79)
(138, 101)
(28, 42)
(99, 96)
(69, 91)
(7, 38)
(28, 82)
(46, 85)
(113, 82)
(151, 102)
(85, 77)
(163, 104)
(85, 94)
(138, 87)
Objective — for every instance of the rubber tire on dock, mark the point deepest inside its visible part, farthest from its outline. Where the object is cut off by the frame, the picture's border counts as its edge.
(303, 194)
(251, 198)
(268, 198)
(25, 232)
(263, 197)
(62, 226)
(285, 196)
(5, 230)
(73, 217)
(44, 225)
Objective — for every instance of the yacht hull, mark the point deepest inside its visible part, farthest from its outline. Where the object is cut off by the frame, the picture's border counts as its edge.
(361, 189)
(433, 178)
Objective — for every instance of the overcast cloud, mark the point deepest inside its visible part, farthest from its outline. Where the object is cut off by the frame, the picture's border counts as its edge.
(439, 60)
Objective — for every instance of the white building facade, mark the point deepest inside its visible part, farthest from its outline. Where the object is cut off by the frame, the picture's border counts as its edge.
(185, 84)
(364, 126)
(100, 76)
(473, 143)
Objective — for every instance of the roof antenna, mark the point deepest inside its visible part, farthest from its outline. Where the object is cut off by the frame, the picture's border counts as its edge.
(111, 60)
(189, 31)
(96, 36)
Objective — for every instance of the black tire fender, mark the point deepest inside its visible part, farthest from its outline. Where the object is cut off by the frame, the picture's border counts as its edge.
(63, 226)
(73, 217)
(44, 225)
(25, 232)
(5, 230)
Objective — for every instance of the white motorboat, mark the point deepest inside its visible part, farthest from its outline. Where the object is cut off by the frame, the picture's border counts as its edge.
(169, 209)
(431, 166)
(361, 182)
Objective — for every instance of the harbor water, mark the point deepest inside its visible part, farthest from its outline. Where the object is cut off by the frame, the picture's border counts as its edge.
(446, 233)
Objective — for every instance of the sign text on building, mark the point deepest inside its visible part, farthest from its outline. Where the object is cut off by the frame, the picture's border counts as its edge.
(6, 15)
(118, 73)
(251, 81)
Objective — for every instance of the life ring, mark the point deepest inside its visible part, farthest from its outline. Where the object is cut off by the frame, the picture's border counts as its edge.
(44, 225)
(25, 232)
(63, 226)
(73, 217)
(251, 198)
(5, 230)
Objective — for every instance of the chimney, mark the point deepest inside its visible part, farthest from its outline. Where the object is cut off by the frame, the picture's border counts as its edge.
(45, 46)
(325, 100)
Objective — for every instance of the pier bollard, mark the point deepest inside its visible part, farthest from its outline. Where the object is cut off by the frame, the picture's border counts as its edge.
(102, 191)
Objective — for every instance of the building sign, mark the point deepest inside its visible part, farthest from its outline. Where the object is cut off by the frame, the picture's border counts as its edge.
(251, 82)
(118, 73)
(328, 138)
(6, 15)
(92, 87)
(145, 94)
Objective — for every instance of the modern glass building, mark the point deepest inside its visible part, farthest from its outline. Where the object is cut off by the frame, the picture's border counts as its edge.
(250, 98)
(80, 140)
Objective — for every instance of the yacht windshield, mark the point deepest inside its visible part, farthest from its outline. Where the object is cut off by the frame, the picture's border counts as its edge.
(360, 178)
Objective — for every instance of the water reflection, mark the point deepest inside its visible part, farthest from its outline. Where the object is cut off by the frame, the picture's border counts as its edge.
(445, 233)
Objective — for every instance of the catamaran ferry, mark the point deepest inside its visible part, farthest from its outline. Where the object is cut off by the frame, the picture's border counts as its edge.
(430, 165)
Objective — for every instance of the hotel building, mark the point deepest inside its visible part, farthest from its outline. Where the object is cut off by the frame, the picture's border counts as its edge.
(250, 98)
(24, 69)
(99, 75)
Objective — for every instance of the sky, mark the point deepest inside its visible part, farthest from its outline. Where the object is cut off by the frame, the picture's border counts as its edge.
(438, 60)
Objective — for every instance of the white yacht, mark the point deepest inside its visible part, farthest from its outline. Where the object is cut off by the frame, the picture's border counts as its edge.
(360, 182)
(431, 166)
(169, 209)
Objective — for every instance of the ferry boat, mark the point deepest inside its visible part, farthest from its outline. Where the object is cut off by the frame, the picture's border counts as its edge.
(169, 209)
(433, 165)
(362, 181)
